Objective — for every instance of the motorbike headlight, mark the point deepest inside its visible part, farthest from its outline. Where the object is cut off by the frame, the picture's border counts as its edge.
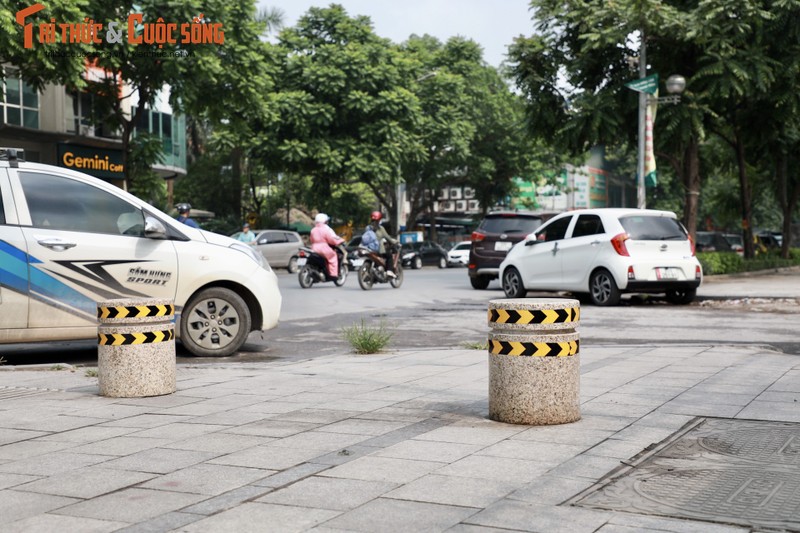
(253, 254)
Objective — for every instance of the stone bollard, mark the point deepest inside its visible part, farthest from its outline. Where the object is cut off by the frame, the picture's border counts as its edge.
(136, 348)
(534, 364)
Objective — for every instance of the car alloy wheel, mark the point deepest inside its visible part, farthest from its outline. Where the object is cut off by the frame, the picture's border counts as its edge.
(603, 289)
(442, 262)
(512, 284)
(215, 323)
(417, 262)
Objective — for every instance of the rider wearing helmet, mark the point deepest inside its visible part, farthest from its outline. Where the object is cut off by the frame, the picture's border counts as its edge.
(183, 215)
(323, 239)
(382, 234)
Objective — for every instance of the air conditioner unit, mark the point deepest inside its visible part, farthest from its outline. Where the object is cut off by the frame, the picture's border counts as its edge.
(469, 192)
(461, 205)
(87, 131)
(455, 194)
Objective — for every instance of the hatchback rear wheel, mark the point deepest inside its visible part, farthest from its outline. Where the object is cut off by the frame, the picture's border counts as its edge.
(603, 289)
(479, 282)
(512, 284)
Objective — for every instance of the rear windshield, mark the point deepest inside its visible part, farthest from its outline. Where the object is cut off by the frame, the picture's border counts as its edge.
(510, 224)
(653, 228)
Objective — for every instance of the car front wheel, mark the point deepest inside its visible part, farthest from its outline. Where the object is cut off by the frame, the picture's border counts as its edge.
(681, 296)
(442, 262)
(215, 323)
(416, 263)
(603, 289)
(512, 284)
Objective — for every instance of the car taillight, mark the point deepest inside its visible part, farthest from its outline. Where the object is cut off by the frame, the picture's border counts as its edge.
(631, 275)
(618, 242)
(691, 244)
(477, 237)
(698, 272)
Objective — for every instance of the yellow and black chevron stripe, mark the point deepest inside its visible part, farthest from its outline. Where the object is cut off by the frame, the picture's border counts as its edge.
(120, 339)
(534, 349)
(537, 316)
(135, 311)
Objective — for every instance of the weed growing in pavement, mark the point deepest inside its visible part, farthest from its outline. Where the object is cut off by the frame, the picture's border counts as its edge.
(367, 339)
(2, 360)
(57, 367)
(91, 372)
(476, 345)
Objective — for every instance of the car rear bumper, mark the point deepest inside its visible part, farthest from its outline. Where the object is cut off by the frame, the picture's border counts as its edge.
(661, 285)
(491, 273)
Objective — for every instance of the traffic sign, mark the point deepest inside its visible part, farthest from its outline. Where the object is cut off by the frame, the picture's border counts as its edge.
(648, 84)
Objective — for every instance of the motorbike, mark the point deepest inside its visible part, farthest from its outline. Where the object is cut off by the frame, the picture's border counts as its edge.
(373, 269)
(314, 267)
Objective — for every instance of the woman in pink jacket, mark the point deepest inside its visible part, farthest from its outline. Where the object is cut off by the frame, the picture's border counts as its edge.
(323, 239)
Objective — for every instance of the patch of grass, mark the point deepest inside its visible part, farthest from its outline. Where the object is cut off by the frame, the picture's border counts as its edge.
(484, 345)
(366, 339)
(58, 367)
(91, 372)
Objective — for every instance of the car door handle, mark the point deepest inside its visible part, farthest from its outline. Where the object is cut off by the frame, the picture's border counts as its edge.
(555, 248)
(595, 243)
(56, 244)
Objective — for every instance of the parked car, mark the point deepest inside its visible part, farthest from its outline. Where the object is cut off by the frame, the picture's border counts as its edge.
(492, 240)
(736, 242)
(279, 247)
(458, 255)
(712, 241)
(69, 240)
(417, 254)
(602, 253)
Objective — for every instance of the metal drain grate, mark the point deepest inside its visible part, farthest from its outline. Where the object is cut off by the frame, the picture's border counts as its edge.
(8, 393)
(742, 472)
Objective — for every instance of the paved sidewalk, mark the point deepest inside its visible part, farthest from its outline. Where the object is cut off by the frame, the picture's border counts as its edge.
(390, 442)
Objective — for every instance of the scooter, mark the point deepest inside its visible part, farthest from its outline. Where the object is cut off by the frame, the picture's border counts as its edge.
(314, 267)
(373, 269)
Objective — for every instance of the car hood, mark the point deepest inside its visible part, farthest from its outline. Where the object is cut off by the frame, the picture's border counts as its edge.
(216, 238)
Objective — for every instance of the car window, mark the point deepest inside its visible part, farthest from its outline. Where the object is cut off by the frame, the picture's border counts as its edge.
(588, 225)
(555, 231)
(57, 202)
(653, 228)
(273, 237)
(291, 237)
(510, 224)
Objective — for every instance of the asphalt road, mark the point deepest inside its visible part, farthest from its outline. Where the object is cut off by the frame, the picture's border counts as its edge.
(438, 308)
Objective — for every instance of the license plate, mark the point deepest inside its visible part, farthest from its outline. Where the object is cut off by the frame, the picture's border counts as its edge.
(301, 261)
(357, 263)
(667, 273)
(502, 246)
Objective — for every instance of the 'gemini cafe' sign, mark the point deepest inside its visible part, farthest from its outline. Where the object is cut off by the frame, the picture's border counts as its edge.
(106, 164)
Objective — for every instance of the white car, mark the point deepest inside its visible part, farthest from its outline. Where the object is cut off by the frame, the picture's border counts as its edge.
(604, 253)
(458, 255)
(69, 240)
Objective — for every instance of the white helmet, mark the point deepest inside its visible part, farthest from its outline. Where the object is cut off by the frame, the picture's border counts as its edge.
(321, 218)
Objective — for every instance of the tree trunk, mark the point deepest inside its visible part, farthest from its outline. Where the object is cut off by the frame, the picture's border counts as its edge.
(744, 194)
(235, 199)
(691, 180)
(788, 200)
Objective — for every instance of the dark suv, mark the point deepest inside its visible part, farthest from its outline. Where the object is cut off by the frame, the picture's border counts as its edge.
(495, 236)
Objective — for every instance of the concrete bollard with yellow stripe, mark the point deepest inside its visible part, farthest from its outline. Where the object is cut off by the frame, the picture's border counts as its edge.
(136, 348)
(534, 361)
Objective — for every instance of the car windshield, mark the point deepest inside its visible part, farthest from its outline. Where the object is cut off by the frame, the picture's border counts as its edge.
(510, 224)
(653, 228)
(462, 246)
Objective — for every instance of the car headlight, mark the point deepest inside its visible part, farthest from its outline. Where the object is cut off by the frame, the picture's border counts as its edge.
(408, 256)
(253, 254)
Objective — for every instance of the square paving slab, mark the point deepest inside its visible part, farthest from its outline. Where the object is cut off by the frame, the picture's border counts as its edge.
(742, 472)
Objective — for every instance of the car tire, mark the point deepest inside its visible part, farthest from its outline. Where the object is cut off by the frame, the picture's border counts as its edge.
(442, 262)
(292, 266)
(512, 283)
(681, 296)
(305, 277)
(215, 322)
(603, 290)
(479, 282)
(416, 263)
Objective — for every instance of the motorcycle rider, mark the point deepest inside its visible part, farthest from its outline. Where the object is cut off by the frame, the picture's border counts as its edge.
(323, 239)
(382, 234)
(183, 215)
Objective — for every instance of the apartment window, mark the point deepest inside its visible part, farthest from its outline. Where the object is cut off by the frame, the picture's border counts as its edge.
(19, 102)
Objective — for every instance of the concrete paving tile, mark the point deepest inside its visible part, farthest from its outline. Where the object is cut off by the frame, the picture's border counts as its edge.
(9, 435)
(386, 469)
(400, 516)
(319, 440)
(543, 453)
(89, 434)
(442, 452)
(261, 517)
(178, 431)
(645, 435)
(495, 468)
(479, 434)
(166, 522)
(291, 475)
(12, 480)
(610, 423)
(551, 490)
(660, 419)
(361, 426)
(693, 409)
(317, 416)
(645, 522)
(24, 449)
(146, 421)
(53, 424)
(466, 528)
(86, 482)
(276, 407)
(202, 408)
(524, 516)
(156, 403)
(360, 405)
(206, 479)
(586, 466)
(345, 456)
(632, 399)
(773, 396)
(787, 412)
(564, 434)
(221, 443)
(114, 411)
(17, 505)
(266, 457)
(616, 449)
(273, 428)
(336, 494)
(62, 524)
(228, 418)
(398, 414)
(595, 407)
(449, 490)
(697, 397)
(119, 446)
(226, 501)
(131, 505)
(51, 463)
(159, 460)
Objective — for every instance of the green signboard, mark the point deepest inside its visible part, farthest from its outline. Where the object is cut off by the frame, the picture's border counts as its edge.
(648, 84)
(99, 162)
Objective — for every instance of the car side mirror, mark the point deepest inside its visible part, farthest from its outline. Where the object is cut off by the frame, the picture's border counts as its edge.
(154, 228)
(532, 242)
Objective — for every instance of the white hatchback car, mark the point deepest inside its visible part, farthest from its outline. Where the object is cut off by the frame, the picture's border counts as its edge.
(69, 240)
(604, 253)
(458, 255)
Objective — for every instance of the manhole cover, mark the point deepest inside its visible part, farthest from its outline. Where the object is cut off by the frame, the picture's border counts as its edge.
(743, 472)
